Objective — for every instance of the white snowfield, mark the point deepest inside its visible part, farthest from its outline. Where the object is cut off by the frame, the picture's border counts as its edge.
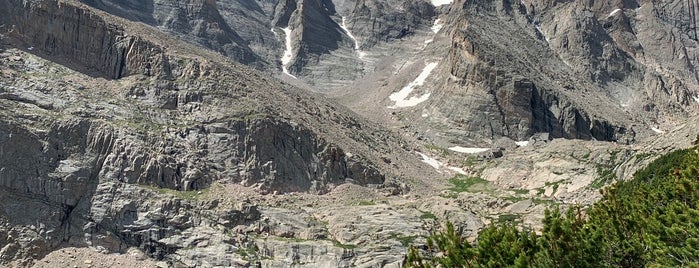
(542, 33)
(347, 31)
(288, 53)
(401, 96)
(431, 161)
(468, 150)
(360, 53)
(440, 2)
(437, 25)
(614, 12)
(522, 143)
(657, 130)
(439, 165)
(457, 170)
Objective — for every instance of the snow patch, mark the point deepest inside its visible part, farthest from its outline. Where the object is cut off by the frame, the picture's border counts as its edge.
(437, 25)
(567, 63)
(436, 164)
(696, 98)
(522, 143)
(347, 31)
(440, 2)
(413, 101)
(457, 170)
(428, 41)
(351, 36)
(542, 33)
(288, 53)
(468, 150)
(614, 12)
(656, 130)
(400, 96)
(431, 161)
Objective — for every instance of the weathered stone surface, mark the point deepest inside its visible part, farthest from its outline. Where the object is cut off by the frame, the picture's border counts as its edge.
(573, 70)
(324, 54)
(383, 21)
(196, 20)
(202, 162)
(113, 164)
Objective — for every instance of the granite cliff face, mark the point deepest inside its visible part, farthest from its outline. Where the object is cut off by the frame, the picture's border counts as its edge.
(600, 70)
(198, 20)
(321, 51)
(516, 88)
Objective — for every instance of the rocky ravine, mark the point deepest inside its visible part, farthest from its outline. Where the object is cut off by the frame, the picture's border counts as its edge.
(326, 38)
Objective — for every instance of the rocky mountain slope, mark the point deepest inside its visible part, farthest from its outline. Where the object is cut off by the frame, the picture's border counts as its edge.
(80, 151)
(595, 71)
(602, 70)
(620, 71)
(319, 40)
(188, 133)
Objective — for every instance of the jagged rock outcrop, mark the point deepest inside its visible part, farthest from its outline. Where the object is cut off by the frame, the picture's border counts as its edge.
(323, 53)
(383, 21)
(570, 69)
(510, 98)
(84, 39)
(257, 151)
(198, 20)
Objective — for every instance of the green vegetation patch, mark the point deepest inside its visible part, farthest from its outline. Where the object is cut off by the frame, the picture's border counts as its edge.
(404, 240)
(344, 246)
(367, 203)
(441, 151)
(292, 239)
(503, 218)
(188, 195)
(426, 215)
(520, 191)
(248, 253)
(554, 185)
(605, 175)
(605, 172)
(462, 183)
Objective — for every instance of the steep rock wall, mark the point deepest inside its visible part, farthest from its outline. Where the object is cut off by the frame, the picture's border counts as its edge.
(595, 70)
(508, 97)
(83, 39)
(198, 21)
